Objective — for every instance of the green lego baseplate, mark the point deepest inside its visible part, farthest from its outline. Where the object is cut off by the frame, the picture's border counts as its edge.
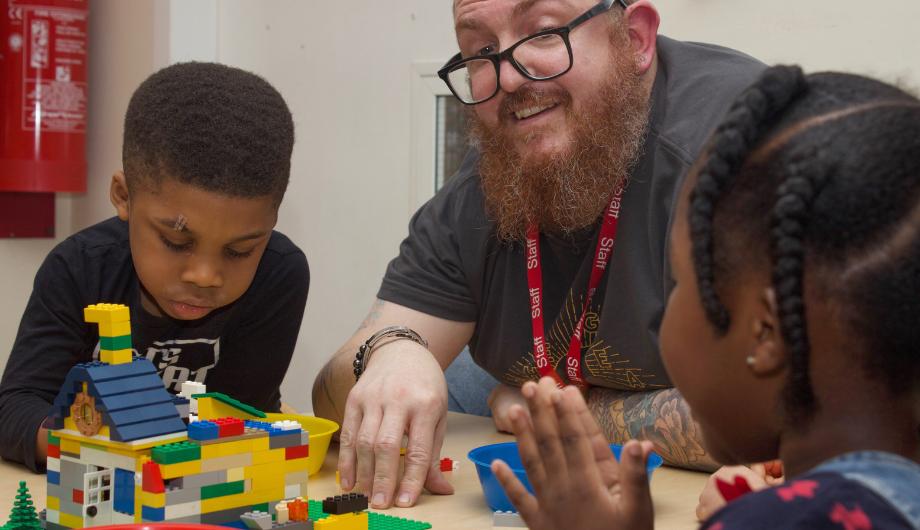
(375, 521)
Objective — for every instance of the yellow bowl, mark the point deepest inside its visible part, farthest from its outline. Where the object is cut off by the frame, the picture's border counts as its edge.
(321, 431)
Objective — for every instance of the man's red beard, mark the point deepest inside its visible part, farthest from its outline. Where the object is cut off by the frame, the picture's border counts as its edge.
(567, 190)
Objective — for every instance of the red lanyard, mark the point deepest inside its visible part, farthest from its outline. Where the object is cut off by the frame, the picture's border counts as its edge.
(602, 253)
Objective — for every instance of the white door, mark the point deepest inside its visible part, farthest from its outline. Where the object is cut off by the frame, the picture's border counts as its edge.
(97, 497)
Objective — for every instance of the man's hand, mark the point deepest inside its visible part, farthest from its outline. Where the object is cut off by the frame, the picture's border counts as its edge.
(758, 477)
(578, 482)
(500, 401)
(402, 391)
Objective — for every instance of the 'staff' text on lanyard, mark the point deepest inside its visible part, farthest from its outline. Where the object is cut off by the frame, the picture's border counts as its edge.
(604, 248)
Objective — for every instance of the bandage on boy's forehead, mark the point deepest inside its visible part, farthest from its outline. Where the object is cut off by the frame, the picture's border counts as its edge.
(179, 225)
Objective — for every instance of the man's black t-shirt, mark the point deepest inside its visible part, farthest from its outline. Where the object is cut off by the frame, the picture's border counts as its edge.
(452, 266)
(242, 350)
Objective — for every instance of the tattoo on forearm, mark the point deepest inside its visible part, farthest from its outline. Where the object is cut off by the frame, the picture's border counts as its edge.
(373, 315)
(661, 416)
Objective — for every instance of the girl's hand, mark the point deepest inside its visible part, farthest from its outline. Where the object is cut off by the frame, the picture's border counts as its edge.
(758, 477)
(578, 482)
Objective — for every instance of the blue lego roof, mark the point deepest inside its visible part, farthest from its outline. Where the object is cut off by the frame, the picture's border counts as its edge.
(131, 397)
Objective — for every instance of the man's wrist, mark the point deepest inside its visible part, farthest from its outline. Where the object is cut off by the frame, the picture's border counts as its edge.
(378, 339)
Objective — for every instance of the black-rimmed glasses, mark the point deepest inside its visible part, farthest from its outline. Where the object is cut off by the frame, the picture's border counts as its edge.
(544, 55)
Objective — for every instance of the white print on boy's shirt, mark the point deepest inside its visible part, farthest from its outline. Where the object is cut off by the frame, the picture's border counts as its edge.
(181, 360)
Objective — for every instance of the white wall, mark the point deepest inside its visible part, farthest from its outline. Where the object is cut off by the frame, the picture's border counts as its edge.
(346, 70)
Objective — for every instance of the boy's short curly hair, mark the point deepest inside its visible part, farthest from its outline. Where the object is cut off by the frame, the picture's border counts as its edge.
(213, 126)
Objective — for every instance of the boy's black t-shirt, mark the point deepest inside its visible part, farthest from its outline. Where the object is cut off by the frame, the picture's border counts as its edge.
(242, 350)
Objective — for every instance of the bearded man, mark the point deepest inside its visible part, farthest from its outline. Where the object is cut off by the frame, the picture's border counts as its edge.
(546, 253)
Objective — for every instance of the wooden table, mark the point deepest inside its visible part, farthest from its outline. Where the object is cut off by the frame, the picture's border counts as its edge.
(674, 491)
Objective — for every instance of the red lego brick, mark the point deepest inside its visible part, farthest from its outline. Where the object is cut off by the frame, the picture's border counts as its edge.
(447, 464)
(298, 510)
(229, 427)
(153, 480)
(298, 451)
(54, 451)
(78, 496)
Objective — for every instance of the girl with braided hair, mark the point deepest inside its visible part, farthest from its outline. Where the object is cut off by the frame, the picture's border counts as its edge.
(793, 329)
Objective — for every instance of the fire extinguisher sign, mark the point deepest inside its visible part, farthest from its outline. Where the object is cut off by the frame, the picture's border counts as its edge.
(54, 71)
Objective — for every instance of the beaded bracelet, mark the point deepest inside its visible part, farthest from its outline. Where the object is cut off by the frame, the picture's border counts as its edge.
(393, 332)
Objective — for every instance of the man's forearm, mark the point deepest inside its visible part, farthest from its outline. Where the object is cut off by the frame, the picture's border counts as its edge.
(331, 387)
(661, 416)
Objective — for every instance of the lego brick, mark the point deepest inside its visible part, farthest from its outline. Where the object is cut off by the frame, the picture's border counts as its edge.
(154, 500)
(77, 496)
(281, 513)
(221, 490)
(226, 462)
(230, 514)
(229, 427)
(122, 518)
(116, 357)
(265, 457)
(105, 459)
(53, 464)
(210, 450)
(379, 521)
(115, 328)
(137, 399)
(180, 470)
(280, 441)
(123, 500)
(153, 514)
(349, 502)
(53, 490)
(53, 439)
(349, 521)
(52, 518)
(106, 313)
(52, 503)
(296, 477)
(70, 520)
(286, 425)
(502, 519)
(182, 496)
(294, 525)
(293, 490)
(257, 520)
(235, 474)
(203, 430)
(145, 413)
(176, 452)
(297, 464)
(187, 509)
(54, 477)
(198, 480)
(191, 519)
(127, 433)
(298, 451)
(54, 451)
(249, 433)
(304, 438)
(152, 478)
(70, 446)
(127, 384)
(121, 342)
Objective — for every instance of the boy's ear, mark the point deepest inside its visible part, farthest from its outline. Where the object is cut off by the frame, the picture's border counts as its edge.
(118, 193)
(769, 355)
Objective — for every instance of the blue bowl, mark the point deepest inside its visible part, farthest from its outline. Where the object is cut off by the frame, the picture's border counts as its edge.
(508, 451)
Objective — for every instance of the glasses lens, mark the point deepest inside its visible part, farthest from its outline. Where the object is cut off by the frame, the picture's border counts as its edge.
(543, 56)
(474, 81)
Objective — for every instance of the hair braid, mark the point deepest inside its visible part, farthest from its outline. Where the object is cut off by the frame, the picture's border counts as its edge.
(795, 197)
(745, 122)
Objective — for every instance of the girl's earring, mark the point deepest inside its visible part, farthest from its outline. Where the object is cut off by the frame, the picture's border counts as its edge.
(750, 360)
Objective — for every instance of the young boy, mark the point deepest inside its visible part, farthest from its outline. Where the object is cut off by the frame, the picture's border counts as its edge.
(216, 296)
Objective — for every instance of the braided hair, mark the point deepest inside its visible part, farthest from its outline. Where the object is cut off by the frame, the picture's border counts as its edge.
(818, 174)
